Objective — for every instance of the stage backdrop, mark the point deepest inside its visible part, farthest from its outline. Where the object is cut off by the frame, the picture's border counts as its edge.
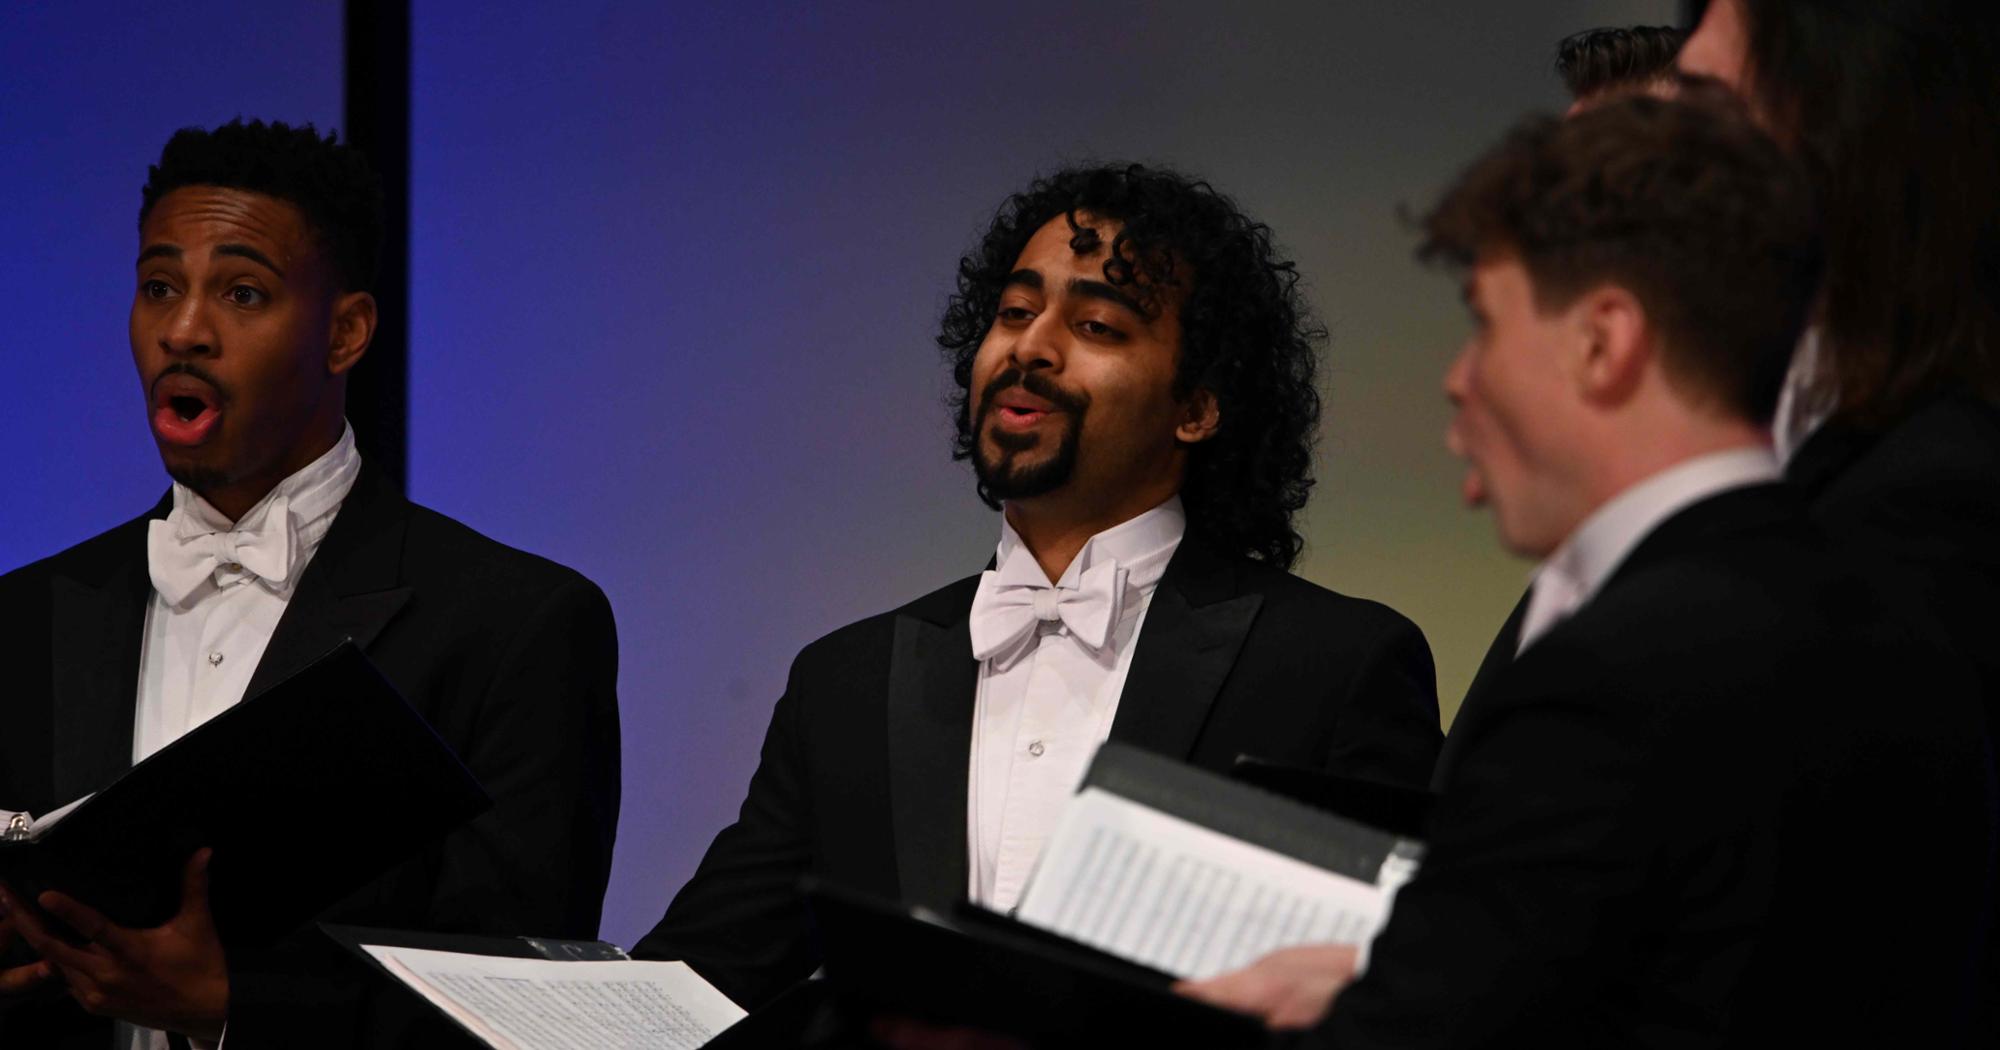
(675, 274)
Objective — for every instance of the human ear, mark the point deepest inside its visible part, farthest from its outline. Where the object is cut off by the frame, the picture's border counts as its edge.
(1614, 344)
(352, 330)
(1201, 416)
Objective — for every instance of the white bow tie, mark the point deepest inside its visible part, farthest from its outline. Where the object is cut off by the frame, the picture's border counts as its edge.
(183, 553)
(1006, 614)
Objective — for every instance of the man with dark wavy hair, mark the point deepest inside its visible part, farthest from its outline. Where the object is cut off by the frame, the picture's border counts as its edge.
(1598, 65)
(1135, 391)
(251, 305)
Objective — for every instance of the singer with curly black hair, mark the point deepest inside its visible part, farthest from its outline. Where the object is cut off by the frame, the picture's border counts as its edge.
(1247, 338)
(1135, 392)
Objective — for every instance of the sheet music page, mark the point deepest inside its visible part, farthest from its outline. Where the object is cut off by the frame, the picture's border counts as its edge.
(1150, 887)
(37, 826)
(546, 1004)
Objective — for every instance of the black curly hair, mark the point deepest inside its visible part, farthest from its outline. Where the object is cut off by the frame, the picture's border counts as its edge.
(1247, 336)
(331, 183)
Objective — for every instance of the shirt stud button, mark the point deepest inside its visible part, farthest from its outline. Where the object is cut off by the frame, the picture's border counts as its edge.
(215, 658)
(1036, 749)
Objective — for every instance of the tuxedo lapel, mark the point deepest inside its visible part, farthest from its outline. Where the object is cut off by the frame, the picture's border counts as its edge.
(1196, 623)
(98, 619)
(1498, 656)
(351, 589)
(1193, 630)
(933, 681)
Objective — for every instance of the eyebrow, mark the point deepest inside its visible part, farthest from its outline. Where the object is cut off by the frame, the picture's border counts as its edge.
(1101, 290)
(242, 251)
(1079, 286)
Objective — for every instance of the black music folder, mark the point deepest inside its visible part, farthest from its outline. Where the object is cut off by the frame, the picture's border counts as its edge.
(980, 970)
(440, 1032)
(304, 792)
(1399, 810)
(1303, 814)
(1196, 874)
(1157, 870)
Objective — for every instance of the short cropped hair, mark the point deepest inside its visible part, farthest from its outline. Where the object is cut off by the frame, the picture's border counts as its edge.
(1614, 58)
(1247, 336)
(1685, 204)
(331, 183)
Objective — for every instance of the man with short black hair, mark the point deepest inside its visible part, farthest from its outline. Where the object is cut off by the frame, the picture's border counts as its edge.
(256, 254)
(1664, 822)
(1134, 367)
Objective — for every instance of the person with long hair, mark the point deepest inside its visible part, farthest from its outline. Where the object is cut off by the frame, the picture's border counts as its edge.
(1889, 422)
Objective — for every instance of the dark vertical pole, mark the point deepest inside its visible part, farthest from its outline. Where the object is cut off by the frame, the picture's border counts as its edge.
(378, 121)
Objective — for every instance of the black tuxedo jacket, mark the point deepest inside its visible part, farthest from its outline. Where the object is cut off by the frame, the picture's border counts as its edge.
(863, 775)
(1922, 501)
(1732, 801)
(512, 658)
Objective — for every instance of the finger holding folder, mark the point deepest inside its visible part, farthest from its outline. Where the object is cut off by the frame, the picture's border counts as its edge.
(173, 976)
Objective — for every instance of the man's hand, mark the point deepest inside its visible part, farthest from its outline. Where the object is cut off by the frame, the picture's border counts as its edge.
(172, 977)
(1289, 988)
(17, 979)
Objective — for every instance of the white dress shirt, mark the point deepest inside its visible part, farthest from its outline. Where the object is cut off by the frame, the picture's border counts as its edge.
(1588, 557)
(197, 655)
(1042, 709)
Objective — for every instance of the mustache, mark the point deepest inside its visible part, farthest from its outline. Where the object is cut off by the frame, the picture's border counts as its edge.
(188, 368)
(1034, 383)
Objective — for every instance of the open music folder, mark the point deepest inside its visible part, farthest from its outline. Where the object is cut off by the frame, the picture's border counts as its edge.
(542, 1004)
(529, 993)
(1157, 870)
(1194, 874)
(304, 792)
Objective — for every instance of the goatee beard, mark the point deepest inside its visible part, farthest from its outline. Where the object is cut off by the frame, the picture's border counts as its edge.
(1001, 474)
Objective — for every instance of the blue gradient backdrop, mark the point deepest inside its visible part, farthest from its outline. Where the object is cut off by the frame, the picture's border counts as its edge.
(675, 272)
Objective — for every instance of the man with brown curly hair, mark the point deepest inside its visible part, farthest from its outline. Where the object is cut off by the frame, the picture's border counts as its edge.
(1135, 390)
